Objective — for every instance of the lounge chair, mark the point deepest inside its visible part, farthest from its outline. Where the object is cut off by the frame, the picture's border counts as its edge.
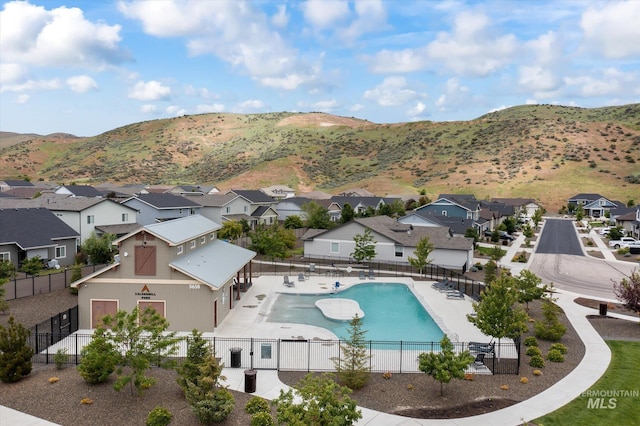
(361, 275)
(447, 286)
(479, 361)
(484, 348)
(372, 275)
(455, 294)
(301, 277)
(287, 282)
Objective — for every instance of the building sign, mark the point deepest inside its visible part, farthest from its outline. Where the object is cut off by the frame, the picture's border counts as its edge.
(145, 293)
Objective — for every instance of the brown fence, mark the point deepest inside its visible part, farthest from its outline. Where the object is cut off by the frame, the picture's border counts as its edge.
(24, 285)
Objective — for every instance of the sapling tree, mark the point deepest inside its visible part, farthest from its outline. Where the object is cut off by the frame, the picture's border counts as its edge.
(422, 251)
(99, 249)
(347, 214)
(231, 230)
(365, 248)
(209, 400)
(529, 288)
(353, 367)
(446, 364)
(15, 353)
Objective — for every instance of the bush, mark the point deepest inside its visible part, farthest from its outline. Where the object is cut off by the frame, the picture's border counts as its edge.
(558, 347)
(98, 359)
(549, 328)
(257, 405)
(534, 351)
(215, 409)
(15, 353)
(555, 356)
(531, 341)
(536, 361)
(159, 416)
(61, 358)
(628, 290)
(262, 419)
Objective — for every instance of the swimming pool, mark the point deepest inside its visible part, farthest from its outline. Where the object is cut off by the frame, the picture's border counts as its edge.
(391, 313)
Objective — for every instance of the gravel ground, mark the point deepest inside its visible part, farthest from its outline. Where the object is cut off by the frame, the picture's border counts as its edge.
(412, 395)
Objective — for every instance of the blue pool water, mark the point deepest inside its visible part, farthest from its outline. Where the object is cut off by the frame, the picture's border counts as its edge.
(391, 313)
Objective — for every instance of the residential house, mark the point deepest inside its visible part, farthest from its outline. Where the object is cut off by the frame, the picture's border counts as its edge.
(178, 267)
(8, 184)
(78, 191)
(194, 189)
(457, 225)
(258, 205)
(454, 205)
(220, 207)
(628, 219)
(356, 192)
(153, 208)
(394, 242)
(83, 215)
(594, 205)
(29, 232)
(279, 192)
(522, 206)
(292, 207)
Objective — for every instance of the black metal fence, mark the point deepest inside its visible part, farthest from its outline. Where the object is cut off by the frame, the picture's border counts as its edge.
(339, 267)
(54, 329)
(303, 355)
(24, 285)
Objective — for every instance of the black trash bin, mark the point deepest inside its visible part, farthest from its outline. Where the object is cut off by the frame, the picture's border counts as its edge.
(236, 357)
(250, 377)
(603, 309)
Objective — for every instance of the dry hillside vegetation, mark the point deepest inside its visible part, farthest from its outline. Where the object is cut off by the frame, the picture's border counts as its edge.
(537, 151)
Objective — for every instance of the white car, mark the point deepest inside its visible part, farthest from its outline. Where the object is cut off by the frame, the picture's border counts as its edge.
(604, 231)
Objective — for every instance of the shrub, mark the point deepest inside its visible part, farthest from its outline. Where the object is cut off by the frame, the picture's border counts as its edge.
(628, 290)
(536, 361)
(534, 351)
(15, 353)
(214, 409)
(537, 373)
(531, 341)
(558, 347)
(61, 358)
(98, 359)
(550, 327)
(555, 356)
(262, 419)
(257, 405)
(524, 380)
(159, 416)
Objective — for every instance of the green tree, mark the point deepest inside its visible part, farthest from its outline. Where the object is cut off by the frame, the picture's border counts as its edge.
(631, 202)
(353, 367)
(365, 248)
(316, 216)
(527, 230)
(537, 216)
(528, 286)
(211, 402)
(495, 236)
(231, 230)
(497, 314)
(99, 249)
(490, 271)
(15, 353)
(397, 209)
(293, 222)
(446, 364)
(141, 341)
(549, 327)
(509, 224)
(245, 226)
(579, 212)
(7, 271)
(98, 359)
(472, 233)
(32, 266)
(197, 351)
(615, 233)
(347, 213)
(269, 241)
(317, 400)
(422, 252)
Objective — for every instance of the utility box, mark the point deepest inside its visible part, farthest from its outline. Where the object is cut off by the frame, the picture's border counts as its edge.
(236, 357)
(250, 377)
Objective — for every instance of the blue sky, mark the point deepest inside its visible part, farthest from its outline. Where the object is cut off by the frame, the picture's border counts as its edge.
(85, 67)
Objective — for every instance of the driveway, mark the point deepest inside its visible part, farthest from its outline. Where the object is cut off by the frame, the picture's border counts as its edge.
(559, 259)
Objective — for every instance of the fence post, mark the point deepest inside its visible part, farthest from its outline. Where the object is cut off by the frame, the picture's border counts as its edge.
(47, 349)
(33, 285)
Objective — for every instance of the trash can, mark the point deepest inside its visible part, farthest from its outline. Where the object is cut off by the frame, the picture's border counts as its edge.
(236, 359)
(250, 381)
(603, 309)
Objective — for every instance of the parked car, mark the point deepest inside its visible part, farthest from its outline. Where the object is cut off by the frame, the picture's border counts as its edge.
(604, 231)
(505, 236)
(622, 242)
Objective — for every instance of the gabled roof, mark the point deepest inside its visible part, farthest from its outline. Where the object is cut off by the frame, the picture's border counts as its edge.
(502, 208)
(253, 195)
(467, 202)
(516, 202)
(316, 195)
(356, 201)
(22, 192)
(356, 192)
(457, 225)
(586, 196)
(262, 210)
(298, 201)
(17, 183)
(212, 200)
(58, 202)
(33, 228)
(83, 190)
(177, 231)
(165, 201)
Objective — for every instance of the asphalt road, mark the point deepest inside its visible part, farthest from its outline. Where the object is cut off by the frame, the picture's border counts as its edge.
(559, 259)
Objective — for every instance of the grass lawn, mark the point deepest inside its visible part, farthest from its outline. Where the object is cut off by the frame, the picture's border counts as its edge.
(487, 251)
(623, 374)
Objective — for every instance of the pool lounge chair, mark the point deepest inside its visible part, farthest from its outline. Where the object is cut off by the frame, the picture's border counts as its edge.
(286, 281)
(484, 348)
(361, 275)
(455, 294)
(372, 275)
(447, 287)
(479, 361)
(301, 277)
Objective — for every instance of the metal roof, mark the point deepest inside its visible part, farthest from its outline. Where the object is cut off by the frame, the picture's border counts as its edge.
(214, 264)
(177, 231)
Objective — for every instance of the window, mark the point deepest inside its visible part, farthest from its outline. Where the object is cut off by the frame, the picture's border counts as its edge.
(5, 256)
(180, 249)
(228, 209)
(61, 251)
(212, 236)
(203, 240)
(335, 247)
(246, 209)
(91, 218)
(193, 244)
(399, 251)
(125, 217)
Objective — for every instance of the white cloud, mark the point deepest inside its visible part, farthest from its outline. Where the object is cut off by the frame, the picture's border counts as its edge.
(356, 107)
(538, 79)
(148, 108)
(547, 49)
(455, 96)
(531, 102)
(325, 106)
(203, 109)
(322, 14)
(175, 110)
(81, 83)
(12, 73)
(406, 60)
(612, 29)
(149, 91)
(371, 17)
(609, 82)
(392, 91)
(33, 85)
(201, 92)
(60, 37)
(500, 108)
(281, 18)
(252, 105)
(417, 109)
